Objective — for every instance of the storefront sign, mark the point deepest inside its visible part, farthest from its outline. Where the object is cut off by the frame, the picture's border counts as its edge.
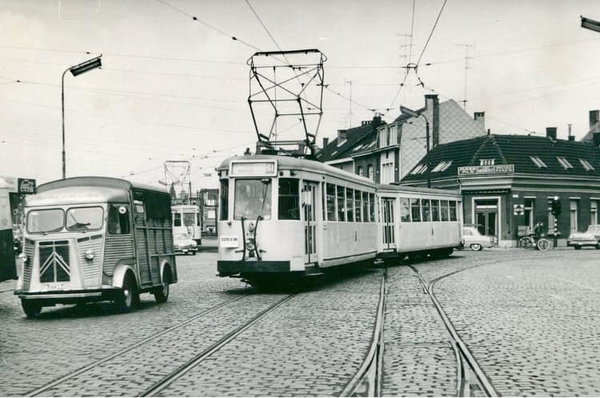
(495, 169)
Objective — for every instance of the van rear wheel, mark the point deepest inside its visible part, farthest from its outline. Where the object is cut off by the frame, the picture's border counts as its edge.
(31, 308)
(161, 293)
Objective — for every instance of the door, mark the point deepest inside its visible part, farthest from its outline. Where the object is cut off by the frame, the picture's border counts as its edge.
(141, 245)
(311, 222)
(387, 223)
(486, 214)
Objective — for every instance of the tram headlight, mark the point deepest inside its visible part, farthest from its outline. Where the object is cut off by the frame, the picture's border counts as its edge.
(250, 245)
(89, 254)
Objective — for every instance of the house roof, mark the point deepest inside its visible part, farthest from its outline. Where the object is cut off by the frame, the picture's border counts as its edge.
(522, 151)
(357, 140)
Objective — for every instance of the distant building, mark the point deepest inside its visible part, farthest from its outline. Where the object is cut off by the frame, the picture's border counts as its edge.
(208, 202)
(508, 182)
(387, 152)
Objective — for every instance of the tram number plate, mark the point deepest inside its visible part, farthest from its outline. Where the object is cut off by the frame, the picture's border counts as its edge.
(229, 241)
(57, 286)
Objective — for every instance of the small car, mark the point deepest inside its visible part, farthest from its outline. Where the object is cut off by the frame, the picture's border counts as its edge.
(185, 244)
(591, 237)
(473, 239)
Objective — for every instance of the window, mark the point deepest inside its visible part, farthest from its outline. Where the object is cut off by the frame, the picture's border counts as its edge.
(44, 221)
(387, 172)
(528, 212)
(444, 213)
(224, 200)
(426, 209)
(586, 165)
(435, 210)
(441, 166)
(84, 218)
(370, 172)
(331, 214)
(189, 219)
(358, 205)
(118, 220)
(372, 207)
(404, 210)
(177, 219)
(593, 212)
(252, 199)
(452, 206)
(564, 162)
(365, 207)
(538, 162)
(420, 169)
(349, 204)
(289, 199)
(573, 204)
(415, 209)
(360, 171)
(341, 212)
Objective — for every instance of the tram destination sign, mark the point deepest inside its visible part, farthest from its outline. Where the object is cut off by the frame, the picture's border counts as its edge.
(491, 169)
(248, 168)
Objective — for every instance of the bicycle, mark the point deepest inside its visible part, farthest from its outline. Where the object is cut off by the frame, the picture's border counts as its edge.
(527, 242)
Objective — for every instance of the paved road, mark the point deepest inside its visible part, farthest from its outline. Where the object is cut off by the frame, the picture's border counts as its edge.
(531, 319)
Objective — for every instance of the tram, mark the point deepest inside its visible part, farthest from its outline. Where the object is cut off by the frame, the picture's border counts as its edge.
(8, 267)
(187, 220)
(95, 239)
(283, 217)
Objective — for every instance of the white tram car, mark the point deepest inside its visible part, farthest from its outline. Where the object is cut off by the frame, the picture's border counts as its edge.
(283, 217)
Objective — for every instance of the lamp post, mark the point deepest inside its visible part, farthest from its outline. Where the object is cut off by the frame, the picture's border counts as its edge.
(412, 113)
(75, 70)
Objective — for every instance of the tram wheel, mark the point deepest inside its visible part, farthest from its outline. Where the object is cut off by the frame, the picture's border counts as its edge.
(128, 296)
(31, 308)
(161, 293)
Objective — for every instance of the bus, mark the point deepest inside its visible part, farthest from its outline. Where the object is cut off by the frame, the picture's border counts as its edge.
(95, 239)
(8, 267)
(186, 220)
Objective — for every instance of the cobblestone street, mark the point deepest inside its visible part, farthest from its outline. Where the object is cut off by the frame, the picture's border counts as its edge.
(530, 319)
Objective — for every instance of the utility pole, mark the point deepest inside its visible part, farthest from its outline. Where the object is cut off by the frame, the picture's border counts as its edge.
(349, 123)
(466, 46)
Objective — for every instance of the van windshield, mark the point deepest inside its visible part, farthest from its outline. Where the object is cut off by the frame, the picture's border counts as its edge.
(44, 221)
(253, 199)
(84, 218)
(53, 220)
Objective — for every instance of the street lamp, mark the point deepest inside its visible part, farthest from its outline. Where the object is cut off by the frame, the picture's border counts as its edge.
(590, 24)
(76, 71)
(412, 113)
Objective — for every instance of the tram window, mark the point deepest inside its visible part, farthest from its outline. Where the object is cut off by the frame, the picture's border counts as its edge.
(224, 200)
(118, 220)
(404, 210)
(452, 210)
(189, 219)
(365, 206)
(372, 207)
(426, 210)
(415, 207)
(350, 204)
(444, 210)
(341, 204)
(435, 210)
(357, 205)
(177, 219)
(252, 199)
(331, 214)
(289, 199)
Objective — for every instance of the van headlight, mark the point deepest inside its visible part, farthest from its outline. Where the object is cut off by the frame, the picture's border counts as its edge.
(23, 257)
(89, 254)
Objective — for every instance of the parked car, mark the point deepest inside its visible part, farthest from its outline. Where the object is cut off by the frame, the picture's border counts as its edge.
(184, 244)
(475, 240)
(591, 237)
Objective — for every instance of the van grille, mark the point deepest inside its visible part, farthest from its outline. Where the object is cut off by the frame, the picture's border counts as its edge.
(54, 261)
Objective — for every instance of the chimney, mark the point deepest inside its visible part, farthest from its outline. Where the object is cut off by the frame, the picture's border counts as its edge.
(571, 138)
(325, 141)
(594, 116)
(432, 102)
(376, 120)
(596, 137)
(342, 134)
(551, 133)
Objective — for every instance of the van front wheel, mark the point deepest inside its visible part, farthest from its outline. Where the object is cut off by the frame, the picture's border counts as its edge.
(31, 308)
(128, 296)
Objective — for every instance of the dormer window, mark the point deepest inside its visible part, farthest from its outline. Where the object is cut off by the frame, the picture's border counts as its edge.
(420, 169)
(538, 162)
(564, 162)
(441, 166)
(586, 165)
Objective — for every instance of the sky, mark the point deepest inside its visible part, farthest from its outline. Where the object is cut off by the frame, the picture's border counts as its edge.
(174, 84)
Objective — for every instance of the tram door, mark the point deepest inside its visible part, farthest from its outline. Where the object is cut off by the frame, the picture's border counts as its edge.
(387, 223)
(309, 204)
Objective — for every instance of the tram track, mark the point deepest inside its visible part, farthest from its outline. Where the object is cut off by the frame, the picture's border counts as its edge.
(123, 351)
